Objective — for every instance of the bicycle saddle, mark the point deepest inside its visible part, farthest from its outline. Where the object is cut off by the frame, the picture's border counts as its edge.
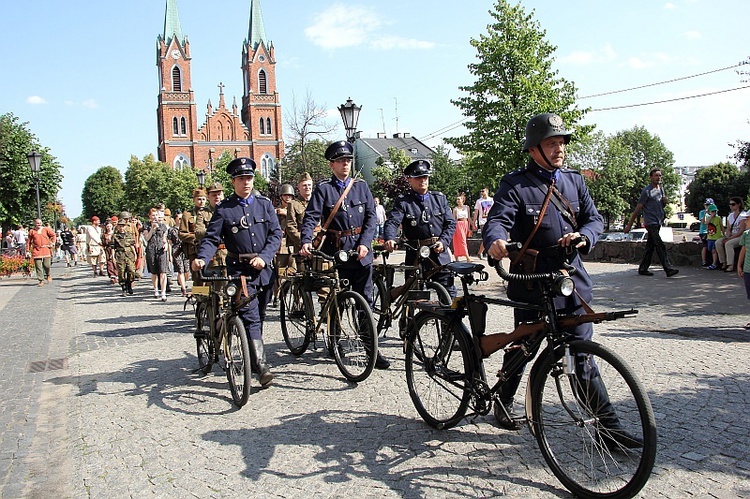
(464, 268)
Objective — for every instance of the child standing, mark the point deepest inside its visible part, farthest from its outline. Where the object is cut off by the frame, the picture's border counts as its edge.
(715, 231)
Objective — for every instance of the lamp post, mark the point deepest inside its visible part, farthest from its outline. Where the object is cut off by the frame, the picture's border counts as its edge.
(350, 115)
(201, 174)
(35, 162)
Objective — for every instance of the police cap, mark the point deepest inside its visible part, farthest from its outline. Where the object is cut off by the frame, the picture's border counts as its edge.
(241, 166)
(340, 149)
(215, 187)
(543, 126)
(418, 168)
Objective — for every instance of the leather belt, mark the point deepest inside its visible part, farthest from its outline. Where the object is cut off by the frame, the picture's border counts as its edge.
(424, 242)
(242, 257)
(338, 234)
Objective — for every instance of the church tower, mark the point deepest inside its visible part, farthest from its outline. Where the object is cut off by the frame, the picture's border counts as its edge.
(261, 110)
(176, 114)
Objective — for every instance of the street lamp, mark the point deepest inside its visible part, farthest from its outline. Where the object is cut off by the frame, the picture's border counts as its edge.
(35, 162)
(350, 114)
(201, 174)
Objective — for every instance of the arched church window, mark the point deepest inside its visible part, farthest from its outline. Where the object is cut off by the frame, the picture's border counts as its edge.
(266, 166)
(180, 162)
(262, 127)
(268, 126)
(183, 126)
(262, 87)
(176, 79)
(175, 127)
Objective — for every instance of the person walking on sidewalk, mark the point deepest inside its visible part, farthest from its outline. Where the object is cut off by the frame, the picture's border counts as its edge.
(123, 245)
(652, 203)
(40, 243)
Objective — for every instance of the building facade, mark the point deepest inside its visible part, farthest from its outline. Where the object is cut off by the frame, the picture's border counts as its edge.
(254, 131)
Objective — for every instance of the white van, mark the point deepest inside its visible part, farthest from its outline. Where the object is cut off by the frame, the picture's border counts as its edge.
(640, 235)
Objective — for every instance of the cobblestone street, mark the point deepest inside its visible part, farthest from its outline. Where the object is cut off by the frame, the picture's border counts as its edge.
(100, 399)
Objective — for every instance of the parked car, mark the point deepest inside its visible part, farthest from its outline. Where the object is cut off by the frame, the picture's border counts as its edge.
(695, 226)
(614, 236)
(640, 235)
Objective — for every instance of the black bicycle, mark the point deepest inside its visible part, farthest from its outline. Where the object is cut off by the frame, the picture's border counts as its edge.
(220, 334)
(589, 413)
(390, 302)
(344, 323)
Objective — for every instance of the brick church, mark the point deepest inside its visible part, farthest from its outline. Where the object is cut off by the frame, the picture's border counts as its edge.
(253, 131)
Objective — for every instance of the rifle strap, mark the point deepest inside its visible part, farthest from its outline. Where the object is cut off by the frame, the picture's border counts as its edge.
(560, 202)
(335, 210)
(536, 227)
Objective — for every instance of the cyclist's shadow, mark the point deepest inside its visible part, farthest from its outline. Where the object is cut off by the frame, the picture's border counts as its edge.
(339, 446)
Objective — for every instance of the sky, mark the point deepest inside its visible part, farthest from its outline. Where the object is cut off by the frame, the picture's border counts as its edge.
(83, 73)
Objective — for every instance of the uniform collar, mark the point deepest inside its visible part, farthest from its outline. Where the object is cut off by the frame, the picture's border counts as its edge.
(247, 201)
(338, 183)
(421, 197)
(543, 172)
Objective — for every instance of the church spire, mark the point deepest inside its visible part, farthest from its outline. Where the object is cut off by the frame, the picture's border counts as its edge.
(257, 31)
(172, 24)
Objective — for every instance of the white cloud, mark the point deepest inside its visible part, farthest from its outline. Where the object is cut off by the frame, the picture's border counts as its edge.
(35, 99)
(90, 103)
(693, 35)
(669, 6)
(396, 42)
(342, 26)
(581, 57)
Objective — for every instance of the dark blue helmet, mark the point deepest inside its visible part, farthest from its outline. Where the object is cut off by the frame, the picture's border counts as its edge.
(340, 149)
(418, 168)
(543, 126)
(241, 166)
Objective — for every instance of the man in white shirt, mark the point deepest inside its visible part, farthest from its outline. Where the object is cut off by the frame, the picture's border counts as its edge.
(380, 214)
(481, 209)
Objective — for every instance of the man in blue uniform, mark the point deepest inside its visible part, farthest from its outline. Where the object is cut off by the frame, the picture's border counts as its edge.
(352, 227)
(249, 228)
(425, 219)
(570, 225)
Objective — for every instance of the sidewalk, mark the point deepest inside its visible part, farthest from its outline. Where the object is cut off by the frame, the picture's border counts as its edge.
(118, 411)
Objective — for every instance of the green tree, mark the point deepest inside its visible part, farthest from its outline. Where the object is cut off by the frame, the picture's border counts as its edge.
(646, 152)
(389, 175)
(604, 163)
(514, 81)
(102, 193)
(720, 182)
(312, 161)
(17, 183)
(448, 176)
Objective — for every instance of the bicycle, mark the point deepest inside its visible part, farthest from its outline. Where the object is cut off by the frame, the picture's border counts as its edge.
(220, 334)
(391, 302)
(598, 442)
(345, 323)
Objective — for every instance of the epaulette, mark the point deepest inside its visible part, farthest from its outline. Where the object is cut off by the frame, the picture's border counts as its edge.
(520, 171)
(399, 196)
(437, 193)
(263, 197)
(569, 170)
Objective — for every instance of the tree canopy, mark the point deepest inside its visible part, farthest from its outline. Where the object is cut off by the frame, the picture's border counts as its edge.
(719, 182)
(102, 193)
(514, 81)
(17, 182)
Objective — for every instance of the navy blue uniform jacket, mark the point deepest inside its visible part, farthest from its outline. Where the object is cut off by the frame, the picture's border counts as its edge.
(518, 202)
(252, 228)
(357, 210)
(422, 220)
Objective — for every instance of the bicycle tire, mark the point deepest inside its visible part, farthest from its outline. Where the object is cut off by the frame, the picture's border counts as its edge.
(353, 336)
(239, 370)
(443, 296)
(203, 341)
(591, 460)
(438, 369)
(295, 308)
(381, 303)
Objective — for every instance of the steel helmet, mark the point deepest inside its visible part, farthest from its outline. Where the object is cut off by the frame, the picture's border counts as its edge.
(287, 189)
(543, 126)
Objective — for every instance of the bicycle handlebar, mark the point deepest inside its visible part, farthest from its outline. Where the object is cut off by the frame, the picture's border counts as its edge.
(219, 278)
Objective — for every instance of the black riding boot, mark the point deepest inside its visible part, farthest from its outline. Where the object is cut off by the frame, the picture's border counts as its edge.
(130, 287)
(124, 289)
(258, 354)
(505, 397)
(612, 433)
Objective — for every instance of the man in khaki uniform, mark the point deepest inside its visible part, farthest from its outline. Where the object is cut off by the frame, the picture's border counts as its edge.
(215, 196)
(187, 227)
(296, 211)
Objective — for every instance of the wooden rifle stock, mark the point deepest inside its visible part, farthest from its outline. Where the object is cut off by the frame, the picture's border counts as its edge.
(491, 343)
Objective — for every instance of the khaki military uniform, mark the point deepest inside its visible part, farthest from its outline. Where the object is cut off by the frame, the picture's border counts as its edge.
(123, 244)
(186, 232)
(202, 220)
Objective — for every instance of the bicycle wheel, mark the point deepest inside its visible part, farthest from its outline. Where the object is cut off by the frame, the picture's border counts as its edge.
(438, 369)
(595, 428)
(442, 294)
(203, 341)
(238, 365)
(381, 302)
(352, 336)
(295, 308)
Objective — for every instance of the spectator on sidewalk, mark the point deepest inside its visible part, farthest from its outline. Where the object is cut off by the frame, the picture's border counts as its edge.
(703, 233)
(714, 229)
(481, 209)
(41, 242)
(728, 244)
(464, 224)
(380, 214)
(652, 203)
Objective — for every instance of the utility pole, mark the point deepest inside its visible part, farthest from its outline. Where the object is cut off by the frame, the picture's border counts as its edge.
(382, 119)
(396, 118)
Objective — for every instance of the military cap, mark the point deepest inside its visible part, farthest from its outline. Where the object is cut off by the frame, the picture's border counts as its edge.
(543, 126)
(287, 189)
(215, 187)
(199, 193)
(303, 177)
(241, 166)
(340, 149)
(121, 222)
(125, 214)
(418, 168)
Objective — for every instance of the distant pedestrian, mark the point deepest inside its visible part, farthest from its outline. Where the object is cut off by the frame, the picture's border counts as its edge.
(481, 210)
(41, 242)
(381, 216)
(123, 244)
(157, 259)
(68, 246)
(179, 259)
(703, 233)
(652, 203)
(464, 224)
(94, 246)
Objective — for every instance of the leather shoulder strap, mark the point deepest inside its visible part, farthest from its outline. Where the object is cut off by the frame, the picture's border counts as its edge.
(337, 205)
